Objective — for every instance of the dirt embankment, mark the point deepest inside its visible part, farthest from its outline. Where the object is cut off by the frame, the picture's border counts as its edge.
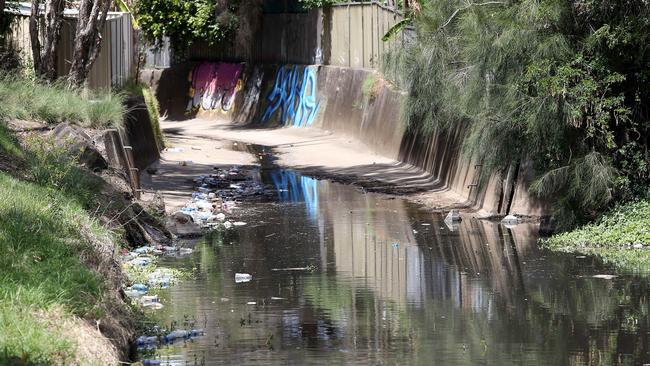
(107, 217)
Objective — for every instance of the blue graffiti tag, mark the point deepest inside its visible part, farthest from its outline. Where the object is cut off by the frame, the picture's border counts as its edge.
(294, 95)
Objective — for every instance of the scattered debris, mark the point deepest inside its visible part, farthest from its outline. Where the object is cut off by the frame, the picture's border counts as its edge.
(310, 268)
(242, 277)
(604, 276)
(453, 216)
(510, 220)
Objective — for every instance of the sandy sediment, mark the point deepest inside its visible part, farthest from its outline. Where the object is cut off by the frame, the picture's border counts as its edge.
(196, 146)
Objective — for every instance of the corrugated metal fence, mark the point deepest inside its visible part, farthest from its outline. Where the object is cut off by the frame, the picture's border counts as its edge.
(115, 63)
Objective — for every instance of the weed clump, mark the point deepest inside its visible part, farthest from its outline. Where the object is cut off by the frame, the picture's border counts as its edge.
(621, 237)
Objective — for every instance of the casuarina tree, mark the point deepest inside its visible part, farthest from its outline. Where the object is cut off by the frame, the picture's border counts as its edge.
(46, 28)
(88, 39)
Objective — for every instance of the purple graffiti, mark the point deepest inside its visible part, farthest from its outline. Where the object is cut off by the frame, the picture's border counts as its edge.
(214, 86)
(294, 94)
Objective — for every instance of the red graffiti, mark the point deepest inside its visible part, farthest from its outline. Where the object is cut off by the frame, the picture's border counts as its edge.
(214, 86)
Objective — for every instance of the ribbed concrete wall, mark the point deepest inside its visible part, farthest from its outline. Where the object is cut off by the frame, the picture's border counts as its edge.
(333, 98)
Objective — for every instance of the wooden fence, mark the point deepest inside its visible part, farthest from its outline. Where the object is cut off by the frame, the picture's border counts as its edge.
(346, 34)
(115, 63)
(355, 32)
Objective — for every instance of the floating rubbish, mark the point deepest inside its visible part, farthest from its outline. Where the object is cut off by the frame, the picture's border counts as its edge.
(396, 245)
(151, 302)
(196, 148)
(140, 261)
(133, 293)
(277, 298)
(581, 256)
(227, 224)
(185, 251)
(604, 276)
(239, 223)
(221, 217)
(151, 362)
(182, 334)
(251, 303)
(140, 287)
(153, 305)
(453, 216)
(242, 277)
(174, 149)
(637, 246)
(270, 235)
(510, 220)
(144, 340)
(426, 224)
(144, 250)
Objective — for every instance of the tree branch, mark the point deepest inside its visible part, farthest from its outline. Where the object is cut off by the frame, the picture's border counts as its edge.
(453, 15)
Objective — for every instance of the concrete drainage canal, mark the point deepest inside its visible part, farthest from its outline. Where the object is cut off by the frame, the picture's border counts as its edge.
(296, 270)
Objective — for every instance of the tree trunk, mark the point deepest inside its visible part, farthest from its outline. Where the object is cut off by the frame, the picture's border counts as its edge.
(47, 31)
(88, 39)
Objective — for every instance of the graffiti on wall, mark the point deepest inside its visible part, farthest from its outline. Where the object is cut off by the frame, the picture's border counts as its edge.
(214, 86)
(294, 96)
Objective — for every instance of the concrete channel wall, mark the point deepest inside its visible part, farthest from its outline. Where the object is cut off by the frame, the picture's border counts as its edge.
(354, 102)
(134, 147)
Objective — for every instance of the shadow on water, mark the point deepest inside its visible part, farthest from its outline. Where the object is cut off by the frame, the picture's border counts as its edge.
(340, 276)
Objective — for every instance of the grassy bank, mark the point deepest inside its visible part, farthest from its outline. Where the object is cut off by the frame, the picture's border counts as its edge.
(59, 280)
(54, 103)
(44, 236)
(620, 237)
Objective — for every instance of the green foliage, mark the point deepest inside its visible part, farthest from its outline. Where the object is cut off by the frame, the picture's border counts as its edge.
(41, 238)
(56, 103)
(186, 21)
(560, 83)
(369, 87)
(612, 237)
(398, 27)
(314, 4)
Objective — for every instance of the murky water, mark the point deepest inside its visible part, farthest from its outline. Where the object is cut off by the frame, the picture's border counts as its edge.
(343, 277)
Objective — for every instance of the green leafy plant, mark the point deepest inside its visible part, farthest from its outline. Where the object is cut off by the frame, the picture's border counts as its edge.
(186, 21)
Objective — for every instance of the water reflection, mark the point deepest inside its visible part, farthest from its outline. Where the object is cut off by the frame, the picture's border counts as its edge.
(393, 285)
(292, 187)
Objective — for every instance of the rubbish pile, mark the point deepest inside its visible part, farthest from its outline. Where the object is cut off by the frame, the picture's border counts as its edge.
(140, 267)
(151, 342)
(216, 195)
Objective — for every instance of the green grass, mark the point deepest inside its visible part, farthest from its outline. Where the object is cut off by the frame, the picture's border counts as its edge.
(8, 143)
(612, 238)
(41, 240)
(55, 103)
